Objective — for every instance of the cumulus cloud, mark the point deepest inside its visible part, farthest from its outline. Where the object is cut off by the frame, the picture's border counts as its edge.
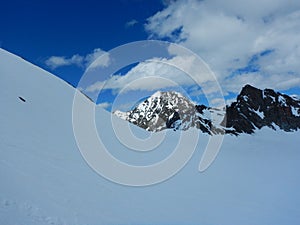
(58, 61)
(97, 86)
(218, 102)
(275, 81)
(91, 60)
(131, 23)
(227, 34)
(155, 74)
(254, 42)
(284, 38)
(195, 91)
(104, 105)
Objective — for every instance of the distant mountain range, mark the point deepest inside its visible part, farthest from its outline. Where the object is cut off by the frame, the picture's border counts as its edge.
(253, 109)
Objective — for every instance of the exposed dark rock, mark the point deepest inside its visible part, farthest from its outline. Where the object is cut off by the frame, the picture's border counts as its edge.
(253, 109)
(22, 99)
(257, 108)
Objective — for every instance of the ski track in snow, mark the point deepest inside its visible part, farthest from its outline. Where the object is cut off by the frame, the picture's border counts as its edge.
(30, 214)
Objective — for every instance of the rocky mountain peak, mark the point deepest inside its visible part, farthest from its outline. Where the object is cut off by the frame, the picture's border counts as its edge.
(253, 109)
(161, 111)
(257, 108)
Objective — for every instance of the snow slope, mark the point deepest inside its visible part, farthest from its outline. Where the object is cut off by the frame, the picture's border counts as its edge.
(45, 180)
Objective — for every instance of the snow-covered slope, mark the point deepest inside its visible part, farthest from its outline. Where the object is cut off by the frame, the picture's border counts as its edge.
(44, 179)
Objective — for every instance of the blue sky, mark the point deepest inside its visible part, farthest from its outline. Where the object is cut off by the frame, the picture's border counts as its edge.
(253, 42)
(37, 29)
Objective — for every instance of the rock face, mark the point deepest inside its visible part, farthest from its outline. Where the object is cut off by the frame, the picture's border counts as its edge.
(253, 109)
(161, 111)
(171, 110)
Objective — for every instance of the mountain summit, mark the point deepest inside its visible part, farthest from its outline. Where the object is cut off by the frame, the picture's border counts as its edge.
(161, 111)
(170, 110)
(253, 109)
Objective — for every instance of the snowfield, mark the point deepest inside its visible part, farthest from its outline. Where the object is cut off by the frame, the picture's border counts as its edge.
(44, 179)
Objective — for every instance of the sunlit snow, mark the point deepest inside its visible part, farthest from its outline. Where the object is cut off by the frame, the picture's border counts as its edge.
(45, 180)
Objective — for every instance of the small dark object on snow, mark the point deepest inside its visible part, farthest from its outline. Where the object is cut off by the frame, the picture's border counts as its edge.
(22, 99)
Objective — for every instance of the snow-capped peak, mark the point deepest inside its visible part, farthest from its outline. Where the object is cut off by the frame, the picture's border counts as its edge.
(254, 108)
(171, 109)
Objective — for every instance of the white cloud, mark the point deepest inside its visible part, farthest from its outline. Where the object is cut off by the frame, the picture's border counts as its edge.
(218, 102)
(92, 59)
(196, 92)
(226, 34)
(99, 85)
(276, 81)
(58, 61)
(104, 105)
(131, 23)
(284, 38)
(155, 74)
(125, 107)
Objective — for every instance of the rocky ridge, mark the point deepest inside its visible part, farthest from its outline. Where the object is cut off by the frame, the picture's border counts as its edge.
(253, 109)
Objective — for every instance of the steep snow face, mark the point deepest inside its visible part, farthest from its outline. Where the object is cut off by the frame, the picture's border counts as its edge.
(44, 179)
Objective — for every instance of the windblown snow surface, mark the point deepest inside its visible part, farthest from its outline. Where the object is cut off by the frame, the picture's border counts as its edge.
(44, 179)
